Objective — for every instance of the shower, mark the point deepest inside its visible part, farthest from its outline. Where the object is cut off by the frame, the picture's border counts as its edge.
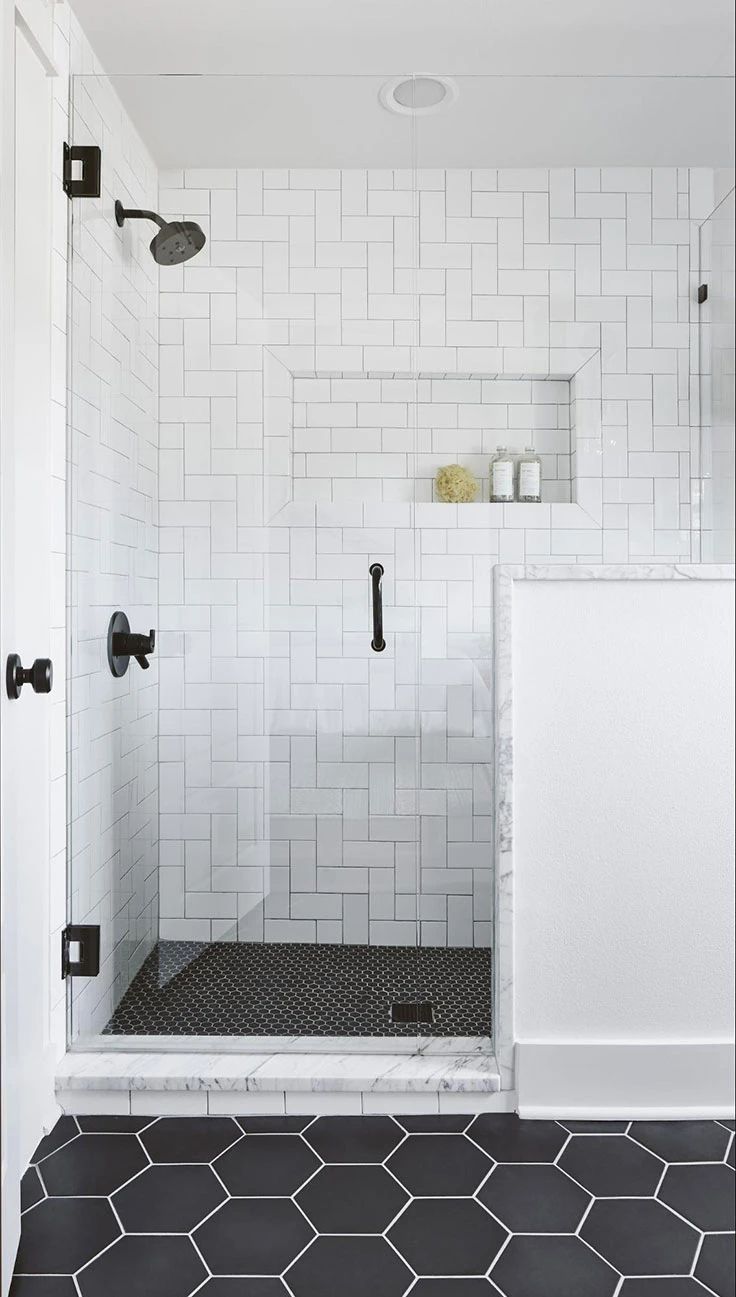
(175, 242)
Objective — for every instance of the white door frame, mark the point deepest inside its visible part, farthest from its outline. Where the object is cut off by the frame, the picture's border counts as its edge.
(28, 1053)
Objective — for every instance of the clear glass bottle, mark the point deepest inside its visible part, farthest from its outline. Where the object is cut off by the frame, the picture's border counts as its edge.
(529, 477)
(502, 476)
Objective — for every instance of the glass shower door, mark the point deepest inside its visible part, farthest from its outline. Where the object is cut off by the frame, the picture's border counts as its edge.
(717, 338)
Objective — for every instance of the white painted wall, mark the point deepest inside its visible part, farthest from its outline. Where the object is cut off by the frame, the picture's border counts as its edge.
(623, 781)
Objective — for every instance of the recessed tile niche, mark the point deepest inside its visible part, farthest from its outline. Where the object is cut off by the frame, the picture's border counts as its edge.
(380, 438)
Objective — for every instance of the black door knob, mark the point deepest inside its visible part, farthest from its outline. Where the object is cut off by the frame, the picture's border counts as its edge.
(40, 676)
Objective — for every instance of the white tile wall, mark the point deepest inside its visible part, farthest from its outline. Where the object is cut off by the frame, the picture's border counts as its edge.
(112, 521)
(309, 789)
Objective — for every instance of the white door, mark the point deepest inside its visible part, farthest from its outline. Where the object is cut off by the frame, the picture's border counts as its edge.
(25, 593)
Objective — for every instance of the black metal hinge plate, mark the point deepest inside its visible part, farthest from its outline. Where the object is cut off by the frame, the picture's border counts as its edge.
(86, 184)
(86, 960)
(702, 294)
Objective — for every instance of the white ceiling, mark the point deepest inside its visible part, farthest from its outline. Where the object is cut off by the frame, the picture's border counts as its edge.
(542, 82)
(514, 37)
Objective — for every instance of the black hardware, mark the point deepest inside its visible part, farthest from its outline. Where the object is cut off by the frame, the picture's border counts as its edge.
(378, 643)
(702, 294)
(410, 1011)
(40, 676)
(122, 645)
(88, 184)
(87, 958)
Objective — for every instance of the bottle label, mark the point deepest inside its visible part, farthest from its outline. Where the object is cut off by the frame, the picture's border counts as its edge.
(529, 479)
(502, 479)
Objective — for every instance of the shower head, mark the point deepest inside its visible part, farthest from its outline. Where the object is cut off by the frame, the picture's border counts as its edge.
(175, 242)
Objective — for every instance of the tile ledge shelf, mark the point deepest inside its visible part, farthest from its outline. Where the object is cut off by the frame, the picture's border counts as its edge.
(264, 1073)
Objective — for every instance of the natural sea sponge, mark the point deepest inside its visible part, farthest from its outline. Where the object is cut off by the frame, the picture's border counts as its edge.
(456, 485)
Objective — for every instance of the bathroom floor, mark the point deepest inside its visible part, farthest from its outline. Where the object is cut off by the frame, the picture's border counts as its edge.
(229, 988)
(378, 1207)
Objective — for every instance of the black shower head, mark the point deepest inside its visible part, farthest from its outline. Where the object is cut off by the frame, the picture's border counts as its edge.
(175, 242)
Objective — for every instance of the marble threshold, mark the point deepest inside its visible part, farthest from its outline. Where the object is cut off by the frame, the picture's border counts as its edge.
(327, 1071)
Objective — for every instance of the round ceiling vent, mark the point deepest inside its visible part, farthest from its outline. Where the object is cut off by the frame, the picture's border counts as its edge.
(417, 96)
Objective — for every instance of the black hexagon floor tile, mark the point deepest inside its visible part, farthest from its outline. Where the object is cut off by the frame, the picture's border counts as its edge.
(448, 1236)
(354, 1139)
(65, 1129)
(251, 1237)
(439, 1166)
(669, 1287)
(267, 1166)
(702, 1193)
(716, 1264)
(595, 1127)
(113, 1125)
(507, 1138)
(144, 1265)
(611, 1166)
(552, 1266)
(61, 1234)
(274, 1125)
(640, 1236)
(43, 1286)
(189, 1139)
(352, 1200)
(435, 1124)
(364, 1267)
(92, 1165)
(242, 1288)
(682, 1141)
(453, 1288)
(168, 1199)
(31, 1189)
(534, 1199)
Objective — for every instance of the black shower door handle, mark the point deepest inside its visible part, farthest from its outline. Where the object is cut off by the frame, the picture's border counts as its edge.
(378, 643)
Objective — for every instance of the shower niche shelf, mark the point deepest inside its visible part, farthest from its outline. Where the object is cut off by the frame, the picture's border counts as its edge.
(378, 437)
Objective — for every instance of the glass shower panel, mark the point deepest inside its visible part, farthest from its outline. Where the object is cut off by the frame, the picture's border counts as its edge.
(244, 811)
(717, 339)
(112, 512)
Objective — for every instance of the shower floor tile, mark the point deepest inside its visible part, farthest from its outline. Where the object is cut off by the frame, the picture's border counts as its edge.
(371, 1207)
(225, 988)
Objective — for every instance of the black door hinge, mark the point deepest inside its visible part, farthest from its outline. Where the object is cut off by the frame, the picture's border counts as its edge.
(702, 294)
(86, 184)
(80, 950)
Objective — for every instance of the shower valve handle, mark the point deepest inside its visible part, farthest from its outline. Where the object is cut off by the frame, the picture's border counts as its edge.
(40, 676)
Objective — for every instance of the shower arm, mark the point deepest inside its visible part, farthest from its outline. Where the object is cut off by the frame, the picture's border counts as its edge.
(137, 214)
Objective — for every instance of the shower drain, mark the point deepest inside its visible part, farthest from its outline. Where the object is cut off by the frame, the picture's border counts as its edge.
(412, 1011)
